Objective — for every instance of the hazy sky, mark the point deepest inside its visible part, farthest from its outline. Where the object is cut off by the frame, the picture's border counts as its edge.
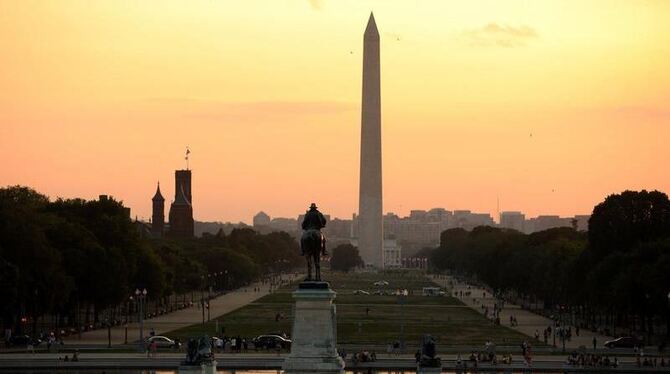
(550, 105)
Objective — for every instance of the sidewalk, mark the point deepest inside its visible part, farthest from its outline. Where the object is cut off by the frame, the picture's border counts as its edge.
(528, 322)
(177, 319)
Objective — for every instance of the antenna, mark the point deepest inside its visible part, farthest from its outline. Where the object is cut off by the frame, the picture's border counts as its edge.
(188, 152)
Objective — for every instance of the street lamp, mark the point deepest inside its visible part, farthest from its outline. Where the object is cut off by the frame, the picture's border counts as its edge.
(141, 299)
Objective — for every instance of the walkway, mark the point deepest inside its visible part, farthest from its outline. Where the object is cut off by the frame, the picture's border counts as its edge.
(528, 322)
(177, 319)
(170, 361)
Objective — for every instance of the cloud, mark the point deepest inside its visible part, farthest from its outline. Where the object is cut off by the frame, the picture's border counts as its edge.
(497, 35)
(316, 4)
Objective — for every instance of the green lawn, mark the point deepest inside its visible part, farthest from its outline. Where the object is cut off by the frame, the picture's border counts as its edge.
(445, 318)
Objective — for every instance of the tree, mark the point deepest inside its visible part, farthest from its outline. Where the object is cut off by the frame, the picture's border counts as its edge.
(43, 285)
(623, 220)
(9, 284)
(345, 257)
(67, 256)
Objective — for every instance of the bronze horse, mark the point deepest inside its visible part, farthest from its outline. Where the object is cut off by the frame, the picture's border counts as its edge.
(312, 242)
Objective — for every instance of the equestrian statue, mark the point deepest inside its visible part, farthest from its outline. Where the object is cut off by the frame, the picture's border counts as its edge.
(313, 243)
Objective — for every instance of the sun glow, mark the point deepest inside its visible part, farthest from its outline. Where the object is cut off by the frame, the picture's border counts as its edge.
(550, 105)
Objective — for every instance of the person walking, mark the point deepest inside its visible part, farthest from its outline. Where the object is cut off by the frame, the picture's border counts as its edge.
(595, 342)
(154, 349)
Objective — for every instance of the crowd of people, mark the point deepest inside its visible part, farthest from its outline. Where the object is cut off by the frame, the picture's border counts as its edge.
(66, 358)
(488, 357)
(362, 356)
(591, 360)
(476, 358)
(645, 361)
(235, 344)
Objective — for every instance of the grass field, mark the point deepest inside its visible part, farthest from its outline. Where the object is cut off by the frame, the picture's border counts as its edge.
(445, 317)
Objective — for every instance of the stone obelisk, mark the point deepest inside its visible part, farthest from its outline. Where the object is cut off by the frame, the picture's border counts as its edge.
(370, 226)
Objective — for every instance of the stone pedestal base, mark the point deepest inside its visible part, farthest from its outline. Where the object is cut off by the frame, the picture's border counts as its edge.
(314, 338)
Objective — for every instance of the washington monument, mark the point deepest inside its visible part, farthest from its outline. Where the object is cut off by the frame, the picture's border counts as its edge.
(370, 227)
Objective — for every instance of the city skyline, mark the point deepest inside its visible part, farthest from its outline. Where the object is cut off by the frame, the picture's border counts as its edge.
(483, 100)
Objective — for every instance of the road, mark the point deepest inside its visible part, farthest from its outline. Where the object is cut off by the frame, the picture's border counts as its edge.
(172, 361)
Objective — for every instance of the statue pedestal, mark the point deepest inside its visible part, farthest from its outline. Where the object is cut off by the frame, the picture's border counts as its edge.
(314, 338)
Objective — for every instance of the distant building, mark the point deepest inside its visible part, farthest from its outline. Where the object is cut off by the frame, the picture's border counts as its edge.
(213, 228)
(181, 209)
(468, 220)
(512, 220)
(158, 214)
(546, 222)
(582, 222)
(289, 225)
(338, 228)
(440, 215)
(261, 219)
(392, 254)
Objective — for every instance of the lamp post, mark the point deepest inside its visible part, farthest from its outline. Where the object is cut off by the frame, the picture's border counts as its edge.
(141, 298)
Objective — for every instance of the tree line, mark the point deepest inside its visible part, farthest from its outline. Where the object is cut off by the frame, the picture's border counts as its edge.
(60, 257)
(615, 275)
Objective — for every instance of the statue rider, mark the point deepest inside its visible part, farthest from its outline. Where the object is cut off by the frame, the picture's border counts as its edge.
(314, 220)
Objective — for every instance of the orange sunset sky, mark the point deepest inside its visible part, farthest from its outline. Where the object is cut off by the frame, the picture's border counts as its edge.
(550, 105)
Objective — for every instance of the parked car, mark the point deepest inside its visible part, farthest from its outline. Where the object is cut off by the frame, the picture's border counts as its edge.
(163, 342)
(271, 341)
(381, 283)
(624, 342)
(22, 341)
(361, 292)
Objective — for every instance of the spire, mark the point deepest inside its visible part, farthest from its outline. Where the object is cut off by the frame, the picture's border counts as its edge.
(158, 196)
(371, 29)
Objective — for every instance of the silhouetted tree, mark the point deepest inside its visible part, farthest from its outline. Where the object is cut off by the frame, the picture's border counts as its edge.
(623, 220)
(345, 257)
